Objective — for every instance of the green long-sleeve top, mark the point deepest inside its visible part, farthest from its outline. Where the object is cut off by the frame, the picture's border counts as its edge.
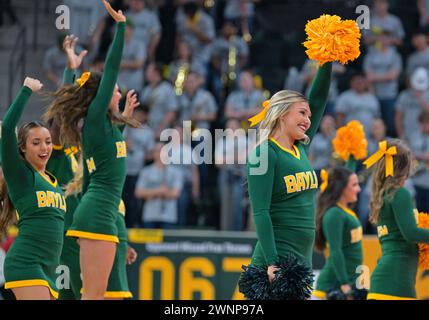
(38, 199)
(396, 270)
(283, 196)
(104, 149)
(343, 233)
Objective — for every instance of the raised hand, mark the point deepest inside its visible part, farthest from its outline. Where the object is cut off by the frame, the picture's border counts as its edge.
(73, 60)
(34, 84)
(130, 104)
(118, 16)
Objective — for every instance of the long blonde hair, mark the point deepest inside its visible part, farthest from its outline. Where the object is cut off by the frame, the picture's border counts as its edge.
(279, 105)
(382, 185)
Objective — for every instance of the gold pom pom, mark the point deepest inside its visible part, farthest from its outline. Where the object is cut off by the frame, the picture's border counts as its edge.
(351, 141)
(331, 39)
(423, 247)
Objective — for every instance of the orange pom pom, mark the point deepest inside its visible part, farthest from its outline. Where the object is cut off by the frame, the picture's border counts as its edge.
(331, 39)
(351, 141)
(423, 247)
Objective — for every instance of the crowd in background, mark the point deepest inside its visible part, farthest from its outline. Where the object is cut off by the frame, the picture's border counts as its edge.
(209, 80)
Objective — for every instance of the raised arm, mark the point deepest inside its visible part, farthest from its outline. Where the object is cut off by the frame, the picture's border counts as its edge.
(403, 210)
(74, 60)
(318, 96)
(14, 168)
(333, 225)
(260, 192)
(100, 104)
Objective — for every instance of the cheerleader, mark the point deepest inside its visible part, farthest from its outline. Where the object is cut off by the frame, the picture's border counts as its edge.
(394, 214)
(283, 198)
(282, 183)
(338, 229)
(35, 194)
(95, 99)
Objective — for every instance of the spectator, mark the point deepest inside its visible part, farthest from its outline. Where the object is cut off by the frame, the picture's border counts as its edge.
(419, 58)
(229, 54)
(197, 104)
(185, 160)
(230, 156)
(133, 59)
(160, 186)
(240, 13)
(308, 73)
(84, 17)
(55, 61)
(147, 26)
(377, 134)
(140, 143)
(411, 102)
(382, 21)
(423, 6)
(6, 8)
(420, 147)
(246, 101)
(183, 62)
(320, 152)
(382, 67)
(196, 28)
(159, 96)
(357, 103)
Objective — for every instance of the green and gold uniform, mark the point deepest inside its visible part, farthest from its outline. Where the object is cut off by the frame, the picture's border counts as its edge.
(283, 199)
(35, 254)
(394, 277)
(343, 233)
(63, 165)
(104, 153)
(117, 286)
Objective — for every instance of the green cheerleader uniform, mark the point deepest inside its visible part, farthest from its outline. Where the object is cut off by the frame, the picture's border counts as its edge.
(283, 199)
(118, 280)
(117, 286)
(63, 164)
(35, 254)
(343, 233)
(394, 277)
(104, 153)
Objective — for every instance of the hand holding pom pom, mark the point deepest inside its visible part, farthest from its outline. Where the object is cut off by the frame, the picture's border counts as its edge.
(331, 39)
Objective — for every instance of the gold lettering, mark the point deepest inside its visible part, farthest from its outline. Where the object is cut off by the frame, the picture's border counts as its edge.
(41, 199)
(51, 199)
(290, 183)
(356, 234)
(314, 182)
(382, 231)
(300, 182)
(121, 148)
(91, 165)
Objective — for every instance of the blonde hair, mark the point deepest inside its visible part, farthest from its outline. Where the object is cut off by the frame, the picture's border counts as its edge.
(279, 105)
(382, 185)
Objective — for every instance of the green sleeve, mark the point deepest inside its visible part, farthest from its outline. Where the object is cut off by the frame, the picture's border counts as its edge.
(318, 96)
(17, 175)
(68, 76)
(121, 127)
(260, 191)
(100, 105)
(333, 228)
(403, 210)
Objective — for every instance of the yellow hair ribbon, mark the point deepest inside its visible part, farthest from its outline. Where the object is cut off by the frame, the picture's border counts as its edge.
(325, 180)
(383, 151)
(83, 79)
(261, 115)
